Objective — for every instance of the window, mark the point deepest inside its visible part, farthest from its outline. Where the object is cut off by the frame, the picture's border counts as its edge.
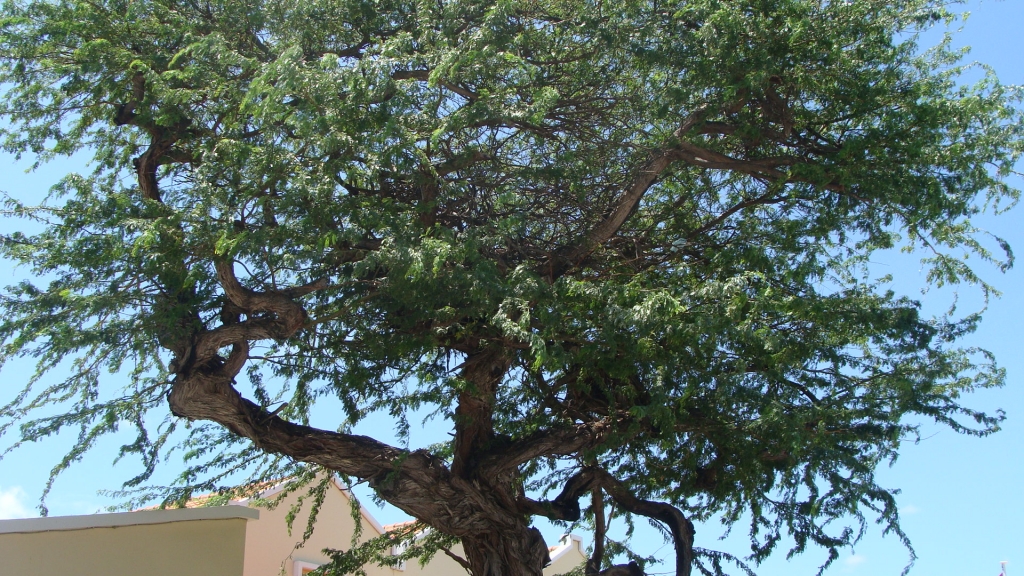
(397, 550)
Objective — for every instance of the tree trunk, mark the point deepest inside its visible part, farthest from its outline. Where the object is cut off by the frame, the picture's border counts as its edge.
(474, 415)
(508, 547)
(520, 553)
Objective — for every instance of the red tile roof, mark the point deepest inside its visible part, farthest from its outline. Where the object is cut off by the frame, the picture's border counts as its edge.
(397, 525)
(213, 498)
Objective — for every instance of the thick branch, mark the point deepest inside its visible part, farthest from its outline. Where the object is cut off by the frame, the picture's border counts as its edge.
(764, 168)
(767, 168)
(703, 157)
(279, 302)
(566, 507)
(546, 443)
(147, 164)
(681, 528)
(415, 482)
(571, 256)
(161, 144)
(285, 315)
(631, 569)
(126, 112)
(208, 395)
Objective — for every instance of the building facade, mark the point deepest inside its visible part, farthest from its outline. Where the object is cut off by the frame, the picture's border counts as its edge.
(190, 542)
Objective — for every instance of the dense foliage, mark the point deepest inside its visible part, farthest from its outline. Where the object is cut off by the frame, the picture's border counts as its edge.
(621, 248)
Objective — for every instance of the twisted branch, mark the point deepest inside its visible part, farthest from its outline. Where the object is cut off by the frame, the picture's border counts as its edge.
(566, 507)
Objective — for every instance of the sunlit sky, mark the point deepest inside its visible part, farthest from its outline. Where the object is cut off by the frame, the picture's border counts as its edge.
(962, 503)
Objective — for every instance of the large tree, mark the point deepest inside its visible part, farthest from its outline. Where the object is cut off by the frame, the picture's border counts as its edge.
(621, 248)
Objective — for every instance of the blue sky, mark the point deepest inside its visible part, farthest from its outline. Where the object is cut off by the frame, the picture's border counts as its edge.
(962, 503)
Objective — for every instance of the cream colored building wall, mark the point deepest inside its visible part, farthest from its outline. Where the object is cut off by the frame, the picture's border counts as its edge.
(440, 565)
(271, 551)
(191, 548)
(566, 560)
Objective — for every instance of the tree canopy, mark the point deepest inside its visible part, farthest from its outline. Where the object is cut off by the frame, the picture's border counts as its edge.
(620, 248)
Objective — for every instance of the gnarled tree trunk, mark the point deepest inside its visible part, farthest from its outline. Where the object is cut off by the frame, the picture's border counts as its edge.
(523, 553)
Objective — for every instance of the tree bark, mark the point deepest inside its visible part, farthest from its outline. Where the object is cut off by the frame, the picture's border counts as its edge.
(474, 415)
(509, 547)
(519, 553)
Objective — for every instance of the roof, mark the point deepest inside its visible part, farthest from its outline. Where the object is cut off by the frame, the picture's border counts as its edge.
(141, 517)
(257, 489)
(565, 544)
(265, 490)
(398, 525)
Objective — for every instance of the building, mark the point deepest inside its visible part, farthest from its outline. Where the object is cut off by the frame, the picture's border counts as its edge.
(200, 541)
(203, 539)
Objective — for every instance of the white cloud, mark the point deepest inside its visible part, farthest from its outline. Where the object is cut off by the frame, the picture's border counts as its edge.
(909, 509)
(12, 503)
(855, 560)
